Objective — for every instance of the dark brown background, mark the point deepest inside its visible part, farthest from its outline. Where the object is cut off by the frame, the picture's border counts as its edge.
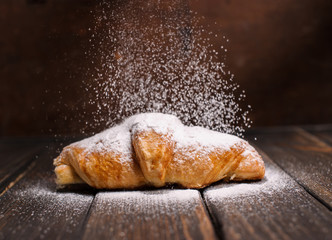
(280, 52)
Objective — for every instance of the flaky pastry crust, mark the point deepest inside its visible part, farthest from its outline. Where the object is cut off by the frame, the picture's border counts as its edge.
(155, 157)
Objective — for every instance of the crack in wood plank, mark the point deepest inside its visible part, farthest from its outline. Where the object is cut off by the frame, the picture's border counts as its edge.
(215, 222)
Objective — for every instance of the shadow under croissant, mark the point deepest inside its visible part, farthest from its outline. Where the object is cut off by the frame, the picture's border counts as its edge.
(85, 188)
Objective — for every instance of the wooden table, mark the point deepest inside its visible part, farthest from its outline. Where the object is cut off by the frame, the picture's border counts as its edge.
(293, 201)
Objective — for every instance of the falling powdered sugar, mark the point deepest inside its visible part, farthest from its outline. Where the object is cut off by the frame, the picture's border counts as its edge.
(168, 65)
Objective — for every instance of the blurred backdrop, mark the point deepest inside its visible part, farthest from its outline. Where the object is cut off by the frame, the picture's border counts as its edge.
(280, 52)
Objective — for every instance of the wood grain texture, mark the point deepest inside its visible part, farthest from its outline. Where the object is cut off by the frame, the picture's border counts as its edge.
(303, 156)
(274, 208)
(323, 132)
(33, 209)
(15, 156)
(149, 214)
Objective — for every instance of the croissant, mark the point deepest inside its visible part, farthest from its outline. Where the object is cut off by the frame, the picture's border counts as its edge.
(155, 149)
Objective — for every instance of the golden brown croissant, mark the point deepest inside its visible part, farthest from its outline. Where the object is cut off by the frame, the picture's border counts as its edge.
(155, 149)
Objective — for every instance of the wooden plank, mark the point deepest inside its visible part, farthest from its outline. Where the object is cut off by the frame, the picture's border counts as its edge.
(149, 214)
(274, 208)
(303, 156)
(14, 158)
(33, 209)
(323, 132)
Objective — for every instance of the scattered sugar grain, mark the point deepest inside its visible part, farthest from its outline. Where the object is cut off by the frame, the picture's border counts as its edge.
(169, 65)
(38, 205)
(149, 204)
(118, 139)
(274, 182)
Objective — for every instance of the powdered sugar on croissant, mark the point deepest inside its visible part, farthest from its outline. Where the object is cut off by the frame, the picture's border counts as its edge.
(156, 149)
